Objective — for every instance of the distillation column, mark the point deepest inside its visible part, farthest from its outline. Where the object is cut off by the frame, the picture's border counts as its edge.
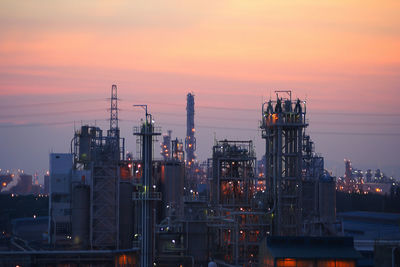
(190, 142)
(283, 125)
(147, 196)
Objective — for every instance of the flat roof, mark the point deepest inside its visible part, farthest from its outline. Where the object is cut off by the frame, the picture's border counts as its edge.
(305, 247)
(378, 216)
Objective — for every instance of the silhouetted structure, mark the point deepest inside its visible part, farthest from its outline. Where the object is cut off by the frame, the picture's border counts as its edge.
(174, 211)
(190, 141)
(283, 127)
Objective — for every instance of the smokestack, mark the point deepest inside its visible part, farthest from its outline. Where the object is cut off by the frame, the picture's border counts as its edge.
(190, 141)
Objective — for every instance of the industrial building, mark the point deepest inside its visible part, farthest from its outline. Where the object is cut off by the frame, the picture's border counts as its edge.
(238, 220)
(301, 195)
(308, 251)
(129, 211)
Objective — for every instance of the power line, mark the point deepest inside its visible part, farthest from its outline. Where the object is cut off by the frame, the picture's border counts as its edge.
(314, 112)
(54, 113)
(38, 124)
(355, 133)
(42, 124)
(181, 115)
(199, 126)
(50, 103)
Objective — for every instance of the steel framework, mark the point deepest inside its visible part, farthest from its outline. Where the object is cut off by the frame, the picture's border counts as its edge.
(147, 196)
(283, 125)
(238, 220)
(104, 208)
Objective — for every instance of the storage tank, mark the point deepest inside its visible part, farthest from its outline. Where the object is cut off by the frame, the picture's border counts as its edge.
(80, 216)
(84, 144)
(327, 198)
(310, 200)
(172, 183)
(125, 214)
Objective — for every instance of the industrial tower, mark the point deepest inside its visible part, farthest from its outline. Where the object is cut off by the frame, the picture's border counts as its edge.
(147, 195)
(166, 146)
(190, 141)
(238, 220)
(95, 183)
(283, 124)
(105, 184)
(114, 130)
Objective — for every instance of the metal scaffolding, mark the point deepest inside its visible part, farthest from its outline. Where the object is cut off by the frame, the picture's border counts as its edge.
(236, 217)
(147, 196)
(283, 125)
(104, 208)
(100, 156)
(166, 146)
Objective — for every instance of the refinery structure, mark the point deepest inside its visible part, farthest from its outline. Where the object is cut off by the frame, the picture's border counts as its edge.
(108, 208)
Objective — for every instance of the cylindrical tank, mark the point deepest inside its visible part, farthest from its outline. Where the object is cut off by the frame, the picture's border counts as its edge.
(80, 216)
(24, 185)
(327, 199)
(172, 184)
(84, 144)
(125, 215)
(310, 198)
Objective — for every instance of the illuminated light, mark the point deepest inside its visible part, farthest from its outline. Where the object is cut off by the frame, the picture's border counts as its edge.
(34, 216)
(129, 165)
(286, 262)
(193, 129)
(173, 241)
(139, 165)
(4, 184)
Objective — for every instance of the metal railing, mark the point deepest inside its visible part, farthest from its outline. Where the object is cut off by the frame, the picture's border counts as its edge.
(146, 195)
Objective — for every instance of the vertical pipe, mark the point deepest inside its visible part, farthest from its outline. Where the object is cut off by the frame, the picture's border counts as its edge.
(236, 244)
(146, 244)
(298, 172)
(279, 178)
(91, 206)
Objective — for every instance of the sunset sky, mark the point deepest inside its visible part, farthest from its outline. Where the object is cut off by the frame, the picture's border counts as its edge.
(58, 60)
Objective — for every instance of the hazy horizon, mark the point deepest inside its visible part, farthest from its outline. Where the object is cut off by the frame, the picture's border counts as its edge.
(58, 61)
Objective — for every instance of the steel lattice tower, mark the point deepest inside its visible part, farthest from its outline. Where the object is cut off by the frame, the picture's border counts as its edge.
(114, 130)
(104, 231)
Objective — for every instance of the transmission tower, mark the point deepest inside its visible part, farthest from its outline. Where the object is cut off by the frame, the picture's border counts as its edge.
(114, 130)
